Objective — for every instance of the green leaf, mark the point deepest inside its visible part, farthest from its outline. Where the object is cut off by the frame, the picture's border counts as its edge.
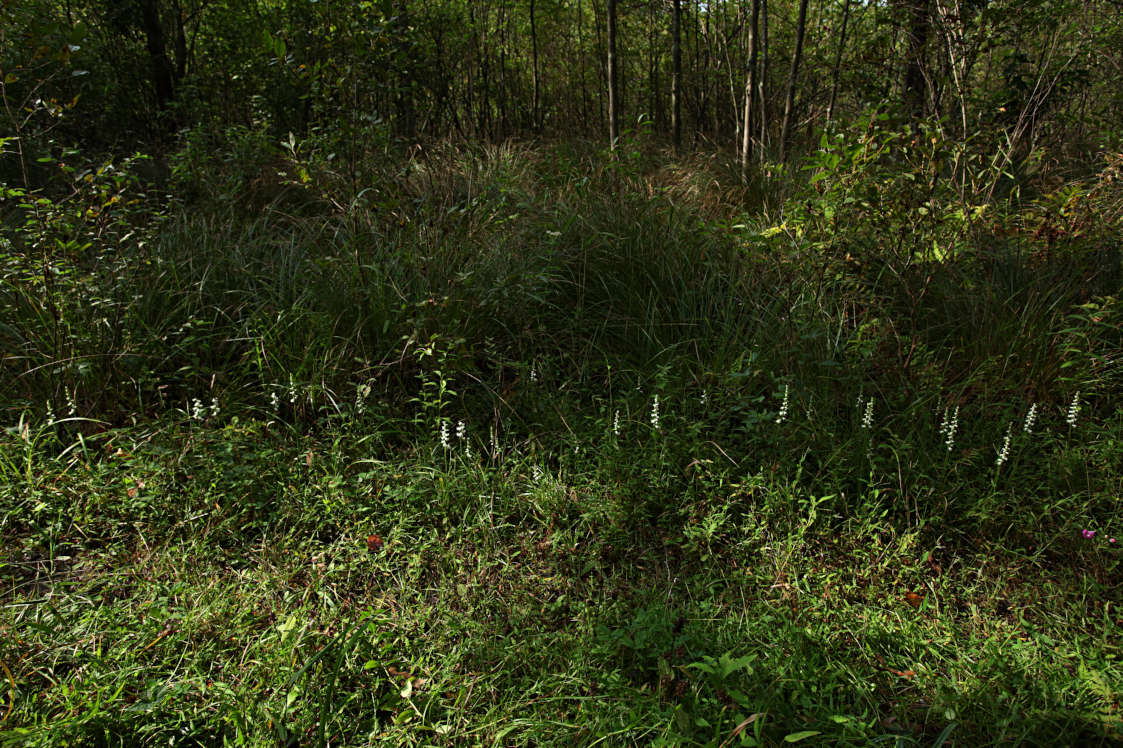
(795, 737)
(943, 737)
(730, 665)
(287, 626)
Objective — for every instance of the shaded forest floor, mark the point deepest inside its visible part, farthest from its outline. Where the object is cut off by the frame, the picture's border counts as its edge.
(532, 446)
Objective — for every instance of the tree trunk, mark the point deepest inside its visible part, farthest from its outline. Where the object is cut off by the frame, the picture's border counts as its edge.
(180, 44)
(676, 74)
(916, 74)
(485, 76)
(838, 60)
(654, 106)
(750, 90)
(163, 76)
(407, 117)
(697, 73)
(613, 93)
(730, 31)
(534, 58)
(710, 101)
(581, 66)
(470, 96)
(793, 74)
(763, 77)
(960, 58)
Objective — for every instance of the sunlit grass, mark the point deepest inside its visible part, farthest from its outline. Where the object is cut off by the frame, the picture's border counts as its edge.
(518, 450)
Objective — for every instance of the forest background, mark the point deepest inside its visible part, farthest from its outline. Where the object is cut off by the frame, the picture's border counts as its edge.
(547, 372)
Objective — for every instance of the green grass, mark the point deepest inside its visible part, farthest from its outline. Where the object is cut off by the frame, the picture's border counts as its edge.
(565, 573)
(213, 584)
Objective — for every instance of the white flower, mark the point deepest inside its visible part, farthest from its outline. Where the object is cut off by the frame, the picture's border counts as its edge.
(214, 407)
(276, 401)
(867, 419)
(444, 435)
(461, 429)
(1031, 416)
(362, 392)
(1005, 451)
(71, 405)
(952, 427)
(198, 412)
(1073, 410)
(616, 424)
(655, 413)
(783, 407)
(50, 414)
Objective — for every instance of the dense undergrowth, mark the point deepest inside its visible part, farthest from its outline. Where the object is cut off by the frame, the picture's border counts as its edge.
(530, 444)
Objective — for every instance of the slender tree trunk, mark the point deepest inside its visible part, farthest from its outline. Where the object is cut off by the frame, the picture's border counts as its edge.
(697, 73)
(729, 57)
(750, 90)
(408, 116)
(959, 59)
(702, 77)
(711, 86)
(621, 79)
(444, 97)
(485, 77)
(916, 74)
(613, 93)
(534, 64)
(655, 110)
(180, 44)
(676, 74)
(651, 75)
(793, 74)
(470, 114)
(602, 61)
(503, 82)
(581, 66)
(763, 76)
(163, 76)
(838, 60)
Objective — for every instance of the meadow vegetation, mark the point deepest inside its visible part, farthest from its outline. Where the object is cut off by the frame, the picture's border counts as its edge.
(541, 444)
